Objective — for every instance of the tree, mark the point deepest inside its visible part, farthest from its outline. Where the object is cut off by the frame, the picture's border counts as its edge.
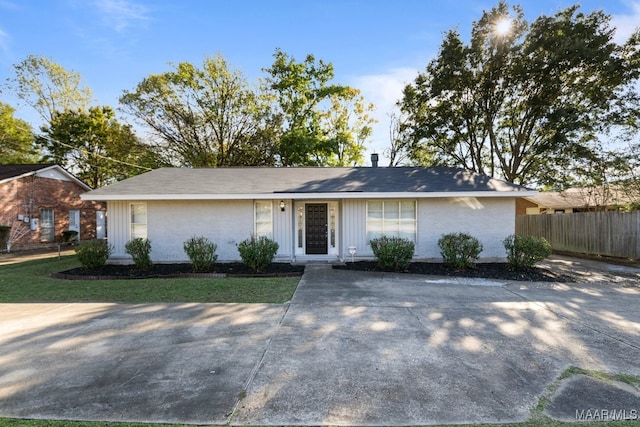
(523, 104)
(205, 117)
(399, 143)
(345, 126)
(323, 123)
(48, 87)
(95, 146)
(16, 138)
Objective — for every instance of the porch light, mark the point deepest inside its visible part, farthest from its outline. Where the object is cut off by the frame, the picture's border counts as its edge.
(282, 205)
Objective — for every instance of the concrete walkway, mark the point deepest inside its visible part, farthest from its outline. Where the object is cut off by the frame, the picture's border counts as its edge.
(351, 348)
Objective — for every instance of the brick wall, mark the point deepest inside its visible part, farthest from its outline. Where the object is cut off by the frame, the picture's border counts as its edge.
(29, 195)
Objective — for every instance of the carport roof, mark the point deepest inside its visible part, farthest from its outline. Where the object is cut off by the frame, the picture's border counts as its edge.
(269, 183)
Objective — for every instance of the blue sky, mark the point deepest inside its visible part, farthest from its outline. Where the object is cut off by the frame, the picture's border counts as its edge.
(377, 46)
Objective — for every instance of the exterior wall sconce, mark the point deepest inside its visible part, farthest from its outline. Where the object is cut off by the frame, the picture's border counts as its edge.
(282, 205)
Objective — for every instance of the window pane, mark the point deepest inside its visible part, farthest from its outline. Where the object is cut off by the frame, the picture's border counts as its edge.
(138, 221)
(138, 230)
(263, 225)
(408, 210)
(138, 214)
(390, 210)
(47, 225)
(374, 210)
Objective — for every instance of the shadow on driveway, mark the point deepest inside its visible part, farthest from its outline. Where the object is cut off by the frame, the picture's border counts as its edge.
(351, 348)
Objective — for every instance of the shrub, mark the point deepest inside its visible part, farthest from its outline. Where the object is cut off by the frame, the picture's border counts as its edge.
(392, 253)
(525, 251)
(257, 253)
(139, 249)
(459, 250)
(93, 254)
(69, 236)
(201, 252)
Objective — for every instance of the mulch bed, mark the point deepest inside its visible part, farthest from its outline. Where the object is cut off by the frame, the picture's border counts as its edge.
(497, 271)
(114, 271)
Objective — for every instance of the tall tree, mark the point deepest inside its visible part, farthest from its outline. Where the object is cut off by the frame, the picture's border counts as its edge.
(16, 138)
(323, 123)
(95, 146)
(522, 104)
(48, 87)
(204, 117)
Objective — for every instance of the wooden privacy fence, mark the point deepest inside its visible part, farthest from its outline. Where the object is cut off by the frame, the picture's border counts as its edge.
(615, 234)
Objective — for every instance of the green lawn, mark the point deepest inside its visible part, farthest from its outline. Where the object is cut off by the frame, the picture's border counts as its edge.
(30, 282)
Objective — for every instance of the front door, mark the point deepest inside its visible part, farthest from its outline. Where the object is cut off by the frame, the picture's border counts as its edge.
(316, 228)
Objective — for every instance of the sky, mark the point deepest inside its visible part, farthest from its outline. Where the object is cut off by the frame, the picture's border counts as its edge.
(377, 46)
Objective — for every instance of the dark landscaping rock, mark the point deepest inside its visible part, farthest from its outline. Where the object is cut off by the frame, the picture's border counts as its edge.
(499, 271)
(114, 271)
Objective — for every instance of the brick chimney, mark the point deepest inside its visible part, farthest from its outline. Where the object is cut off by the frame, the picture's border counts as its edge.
(374, 160)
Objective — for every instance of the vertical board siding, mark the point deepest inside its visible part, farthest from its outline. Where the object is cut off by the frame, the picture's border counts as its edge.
(282, 228)
(615, 234)
(118, 225)
(354, 228)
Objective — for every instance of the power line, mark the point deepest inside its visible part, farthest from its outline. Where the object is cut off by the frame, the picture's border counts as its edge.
(55, 141)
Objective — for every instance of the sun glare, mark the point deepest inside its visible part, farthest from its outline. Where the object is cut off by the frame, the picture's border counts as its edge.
(503, 26)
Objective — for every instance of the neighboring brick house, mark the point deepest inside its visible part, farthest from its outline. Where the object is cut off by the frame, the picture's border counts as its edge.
(38, 203)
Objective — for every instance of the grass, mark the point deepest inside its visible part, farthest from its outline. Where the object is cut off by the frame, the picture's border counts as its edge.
(30, 282)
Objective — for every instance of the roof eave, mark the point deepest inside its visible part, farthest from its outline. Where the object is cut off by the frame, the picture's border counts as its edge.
(97, 196)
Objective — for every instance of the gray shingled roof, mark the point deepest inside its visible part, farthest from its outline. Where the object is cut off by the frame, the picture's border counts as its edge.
(171, 182)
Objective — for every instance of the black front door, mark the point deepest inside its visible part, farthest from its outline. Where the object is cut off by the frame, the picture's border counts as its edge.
(316, 228)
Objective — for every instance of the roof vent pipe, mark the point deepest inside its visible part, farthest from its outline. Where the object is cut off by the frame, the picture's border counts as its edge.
(374, 160)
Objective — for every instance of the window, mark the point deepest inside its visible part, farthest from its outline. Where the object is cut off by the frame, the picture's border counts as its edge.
(264, 223)
(47, 225)
(138, 220)
(391, 218)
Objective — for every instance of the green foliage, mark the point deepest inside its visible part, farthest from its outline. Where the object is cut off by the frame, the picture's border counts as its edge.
(325, 124)
(90, 138)
(257, 253)
(525, 251)
(69, 236)
(207, 116)
(93, 254)
(392, 253)
(459, 250)
(506, 103)
(48, 87)
(201, 252)
(140, 250)
(16, 138)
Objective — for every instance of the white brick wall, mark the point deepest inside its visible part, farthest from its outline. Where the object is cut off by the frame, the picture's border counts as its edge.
(488, 219)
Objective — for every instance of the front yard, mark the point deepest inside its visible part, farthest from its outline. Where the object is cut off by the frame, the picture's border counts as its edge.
(30, 282)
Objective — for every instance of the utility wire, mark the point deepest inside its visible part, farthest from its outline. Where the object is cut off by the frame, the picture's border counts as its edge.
(55, 141)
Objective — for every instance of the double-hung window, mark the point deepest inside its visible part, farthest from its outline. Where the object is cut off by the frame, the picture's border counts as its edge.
(263, 219)
(138, 220)
(47, 225)
(391, 218)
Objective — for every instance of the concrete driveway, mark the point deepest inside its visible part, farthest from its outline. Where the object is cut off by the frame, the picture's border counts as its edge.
(351, 348)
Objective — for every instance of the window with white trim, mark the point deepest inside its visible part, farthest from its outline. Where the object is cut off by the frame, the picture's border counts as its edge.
(392, 218)
(263, 219)
(47, 225)
(138, 220)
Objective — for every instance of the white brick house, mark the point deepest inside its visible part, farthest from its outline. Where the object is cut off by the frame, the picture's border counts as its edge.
(313, 213)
